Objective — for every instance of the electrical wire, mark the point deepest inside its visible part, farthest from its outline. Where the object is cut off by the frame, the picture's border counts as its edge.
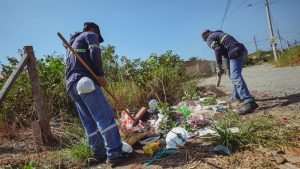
(237, 8)
(254, 4)
(225, 13)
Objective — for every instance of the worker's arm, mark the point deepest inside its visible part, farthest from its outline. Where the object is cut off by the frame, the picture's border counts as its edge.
(95, 53)
(212, 43)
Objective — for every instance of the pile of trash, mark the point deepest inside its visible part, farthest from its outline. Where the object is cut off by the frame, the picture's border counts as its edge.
(190, 119)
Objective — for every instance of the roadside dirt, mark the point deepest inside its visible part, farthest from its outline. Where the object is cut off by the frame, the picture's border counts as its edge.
(16, 146)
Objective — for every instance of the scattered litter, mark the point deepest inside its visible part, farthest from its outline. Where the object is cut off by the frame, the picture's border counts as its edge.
(220, 109)
(220, 149)
(126, 147)
(178, 136)
(160, 154)
(152, 105)
(150, 140)
(191, 134)
(151, 148)
(185, 110)
(205, 131)
(197, 121)
(197, 109)
(157, 123)
(233, 129)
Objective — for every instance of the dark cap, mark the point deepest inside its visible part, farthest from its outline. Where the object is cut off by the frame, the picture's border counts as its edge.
(205, 34)
(91, 25)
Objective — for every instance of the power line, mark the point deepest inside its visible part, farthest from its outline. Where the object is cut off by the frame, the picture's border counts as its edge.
(225, 13)
(237, 8)
(257, 3)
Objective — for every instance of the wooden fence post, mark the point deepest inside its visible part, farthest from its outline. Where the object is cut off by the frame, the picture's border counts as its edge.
(13, 77)
(37, 93)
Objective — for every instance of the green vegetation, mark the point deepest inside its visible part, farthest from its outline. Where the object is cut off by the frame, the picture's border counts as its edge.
(167, 123)
(190, 92)
(30, 165)
(258, 58)
(289, 57)
(160, 77)
(263, 130)
(209, 101)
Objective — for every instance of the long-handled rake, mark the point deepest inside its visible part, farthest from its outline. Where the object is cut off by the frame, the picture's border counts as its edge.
(138, 115)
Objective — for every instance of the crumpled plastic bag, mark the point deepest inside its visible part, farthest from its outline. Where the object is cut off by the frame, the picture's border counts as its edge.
(126, 147)
(178, 136)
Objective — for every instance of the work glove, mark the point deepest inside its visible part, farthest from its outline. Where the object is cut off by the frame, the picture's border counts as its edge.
(219, 70)
(101, 80)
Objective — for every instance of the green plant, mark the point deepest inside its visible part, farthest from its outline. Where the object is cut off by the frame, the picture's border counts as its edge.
(262, 130)
(30, 165)
(209, 101)
(290, 57)
(167, 123)
(190, 93)
(81, 151)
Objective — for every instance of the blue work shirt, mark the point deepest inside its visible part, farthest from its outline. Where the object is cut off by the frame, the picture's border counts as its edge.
(224, 45)
(86, 44)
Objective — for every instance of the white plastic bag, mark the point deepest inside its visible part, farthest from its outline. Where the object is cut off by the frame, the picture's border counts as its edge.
(85, 85)
(126, 147)
(178, 136)
(152, 105)
(158, 121)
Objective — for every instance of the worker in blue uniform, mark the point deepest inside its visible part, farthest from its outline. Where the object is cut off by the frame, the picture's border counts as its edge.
(225, 45)
(94, 110)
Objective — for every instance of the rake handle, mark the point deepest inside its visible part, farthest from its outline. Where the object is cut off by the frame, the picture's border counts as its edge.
(94, 75)
(219, 81)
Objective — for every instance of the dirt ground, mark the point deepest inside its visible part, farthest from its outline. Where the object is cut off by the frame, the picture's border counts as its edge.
(277, 93)
(16, 146)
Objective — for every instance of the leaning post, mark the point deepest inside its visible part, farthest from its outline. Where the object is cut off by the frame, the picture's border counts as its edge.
(41, 109)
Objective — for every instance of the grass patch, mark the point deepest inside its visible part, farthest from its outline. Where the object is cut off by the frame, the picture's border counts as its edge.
(264, 130)
(73, 152)
(209, 101)
(258, 58)
(289, 57)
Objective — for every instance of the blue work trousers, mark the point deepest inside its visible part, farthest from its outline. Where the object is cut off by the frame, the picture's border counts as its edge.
(239, 87)
(98, 120)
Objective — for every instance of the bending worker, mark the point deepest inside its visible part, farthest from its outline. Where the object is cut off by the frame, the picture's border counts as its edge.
(94, 111)
(225, 45)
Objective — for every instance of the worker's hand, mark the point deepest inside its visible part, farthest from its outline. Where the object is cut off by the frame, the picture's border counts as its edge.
(101, 80)
(219, 70)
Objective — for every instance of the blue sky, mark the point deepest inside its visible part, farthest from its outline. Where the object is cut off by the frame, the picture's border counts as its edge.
(140, 27)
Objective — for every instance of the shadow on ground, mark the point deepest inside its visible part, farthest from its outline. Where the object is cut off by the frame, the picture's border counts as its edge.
(270, 102)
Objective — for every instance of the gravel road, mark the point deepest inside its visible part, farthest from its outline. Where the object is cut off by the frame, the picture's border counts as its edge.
(265, 78)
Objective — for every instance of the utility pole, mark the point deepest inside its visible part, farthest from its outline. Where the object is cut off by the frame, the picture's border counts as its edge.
(255, 43)
(280, 41)
(273, 43)
(281, 50)
(288, 44)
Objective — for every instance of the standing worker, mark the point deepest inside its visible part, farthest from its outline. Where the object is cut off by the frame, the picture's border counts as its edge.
(226, 45)
(94, 111)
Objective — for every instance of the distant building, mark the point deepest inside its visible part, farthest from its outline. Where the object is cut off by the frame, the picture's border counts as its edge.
(200, 68)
